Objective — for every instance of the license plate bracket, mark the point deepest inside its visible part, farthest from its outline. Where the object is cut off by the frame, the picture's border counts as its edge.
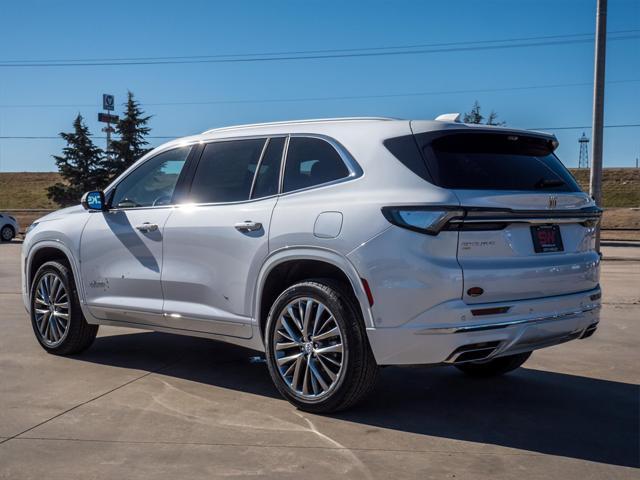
(546, 238)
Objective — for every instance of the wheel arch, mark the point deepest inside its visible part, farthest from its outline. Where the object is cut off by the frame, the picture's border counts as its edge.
(286, 266)
(45, 251)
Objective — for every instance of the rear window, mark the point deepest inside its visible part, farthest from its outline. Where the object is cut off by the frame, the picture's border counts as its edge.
(482, 161)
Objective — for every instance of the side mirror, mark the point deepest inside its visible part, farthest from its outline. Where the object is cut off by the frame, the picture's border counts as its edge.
(93, 201)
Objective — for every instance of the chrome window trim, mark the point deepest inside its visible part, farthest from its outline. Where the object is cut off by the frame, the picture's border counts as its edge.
(355, 171)
(255, 174)
(114, 186)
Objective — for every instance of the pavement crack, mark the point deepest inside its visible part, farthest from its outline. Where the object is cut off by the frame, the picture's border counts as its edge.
(103, 394)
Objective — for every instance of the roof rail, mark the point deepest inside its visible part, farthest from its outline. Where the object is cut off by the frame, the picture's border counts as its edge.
(289, 122)
(449, 117)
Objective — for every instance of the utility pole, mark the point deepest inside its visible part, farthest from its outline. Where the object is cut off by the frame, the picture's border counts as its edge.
(595, 185)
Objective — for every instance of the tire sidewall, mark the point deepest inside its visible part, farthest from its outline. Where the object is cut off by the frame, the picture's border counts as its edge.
(342, 312)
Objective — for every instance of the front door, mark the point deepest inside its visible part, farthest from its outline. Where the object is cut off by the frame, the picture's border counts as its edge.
(215, 246)
(121, 249)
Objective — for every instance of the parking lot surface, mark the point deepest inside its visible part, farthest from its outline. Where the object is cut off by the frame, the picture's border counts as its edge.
(149, 405)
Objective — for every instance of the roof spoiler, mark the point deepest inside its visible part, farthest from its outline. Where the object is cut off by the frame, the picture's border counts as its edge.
(449, 117)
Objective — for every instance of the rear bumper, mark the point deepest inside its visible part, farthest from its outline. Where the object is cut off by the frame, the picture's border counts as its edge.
(529, 325)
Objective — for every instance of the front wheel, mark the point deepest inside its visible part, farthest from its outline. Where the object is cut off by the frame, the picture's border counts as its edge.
(495, 367)
(316, 346)
(56, 317)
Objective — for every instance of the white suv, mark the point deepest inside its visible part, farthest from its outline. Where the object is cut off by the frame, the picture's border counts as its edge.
(334, 246)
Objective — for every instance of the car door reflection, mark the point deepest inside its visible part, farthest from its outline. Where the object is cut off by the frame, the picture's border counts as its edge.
(133, 239)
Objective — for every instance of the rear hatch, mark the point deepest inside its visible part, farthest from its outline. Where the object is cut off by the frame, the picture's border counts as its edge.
(527, 230)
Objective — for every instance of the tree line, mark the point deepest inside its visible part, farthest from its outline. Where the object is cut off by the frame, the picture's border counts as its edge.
(84, 166)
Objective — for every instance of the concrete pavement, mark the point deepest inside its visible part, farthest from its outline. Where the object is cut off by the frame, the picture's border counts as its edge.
(150, 405)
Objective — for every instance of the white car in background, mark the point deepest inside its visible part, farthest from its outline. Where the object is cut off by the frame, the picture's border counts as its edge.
(334, 246)
(9, 227)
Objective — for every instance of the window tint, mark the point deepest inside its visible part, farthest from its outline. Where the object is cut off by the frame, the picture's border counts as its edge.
(268, 177)
(311, 161)
(153, 182)
(496, 162)
(225, 171)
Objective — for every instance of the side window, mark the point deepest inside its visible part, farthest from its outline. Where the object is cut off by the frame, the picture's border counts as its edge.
(152, 183)
(268, 176)
(225, 171)
(311, 161)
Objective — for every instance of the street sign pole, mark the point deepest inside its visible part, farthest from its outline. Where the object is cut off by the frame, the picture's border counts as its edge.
(595, 183)
(108, 103)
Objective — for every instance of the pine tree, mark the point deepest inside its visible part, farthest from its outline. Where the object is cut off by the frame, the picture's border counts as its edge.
(474, 116)
(80, 166)
(131, 128)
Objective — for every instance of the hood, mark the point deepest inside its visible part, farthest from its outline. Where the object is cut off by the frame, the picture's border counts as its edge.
(76, 209)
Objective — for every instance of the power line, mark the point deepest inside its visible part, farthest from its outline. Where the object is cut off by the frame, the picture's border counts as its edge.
(360, 54)
(340, 97)
(169, 137)
(311, 52)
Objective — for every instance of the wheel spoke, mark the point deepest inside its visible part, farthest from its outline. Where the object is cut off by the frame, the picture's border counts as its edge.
(293, 317)
(318, 376)
(290, 358)
(287, 327)
(337, 348)
(334, 332)
(326, 369)
(327, 358)
(295, 380)
(286, 345)
(316, 321)
(305, 321)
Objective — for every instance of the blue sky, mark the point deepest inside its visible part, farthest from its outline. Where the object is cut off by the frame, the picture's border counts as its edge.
(30, 97)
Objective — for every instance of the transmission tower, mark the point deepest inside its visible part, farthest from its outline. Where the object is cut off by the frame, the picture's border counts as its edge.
(583, 159)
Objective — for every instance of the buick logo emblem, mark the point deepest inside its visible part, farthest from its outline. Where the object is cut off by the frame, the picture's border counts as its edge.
(553, 201)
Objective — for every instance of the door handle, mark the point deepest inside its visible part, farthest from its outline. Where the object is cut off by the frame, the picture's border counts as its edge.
(248, 226)
(147, 227)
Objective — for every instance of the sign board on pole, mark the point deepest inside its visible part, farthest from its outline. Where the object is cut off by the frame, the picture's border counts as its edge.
(107, 118)
(107, 102)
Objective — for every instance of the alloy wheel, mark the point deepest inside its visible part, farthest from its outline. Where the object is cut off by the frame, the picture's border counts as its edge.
(309, 348)
(51, 309)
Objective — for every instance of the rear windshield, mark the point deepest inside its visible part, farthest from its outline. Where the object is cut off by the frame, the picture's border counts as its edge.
(488, 161)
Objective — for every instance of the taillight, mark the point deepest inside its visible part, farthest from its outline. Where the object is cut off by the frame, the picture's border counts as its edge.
(429, 220)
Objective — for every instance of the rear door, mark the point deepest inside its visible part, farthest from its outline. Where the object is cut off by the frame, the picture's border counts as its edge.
(528, 231)
(215, 244)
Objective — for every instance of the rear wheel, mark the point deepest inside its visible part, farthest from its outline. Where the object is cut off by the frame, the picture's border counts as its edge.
(56, 317)
(497, 366)
(316, 346)
(7, 233)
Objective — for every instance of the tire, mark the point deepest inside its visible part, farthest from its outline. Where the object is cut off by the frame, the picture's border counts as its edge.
(342, 360)
(53, 288)
(495, 367)
(7, 233)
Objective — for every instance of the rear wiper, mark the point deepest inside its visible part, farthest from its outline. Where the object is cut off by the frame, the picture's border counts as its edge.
(548, 183)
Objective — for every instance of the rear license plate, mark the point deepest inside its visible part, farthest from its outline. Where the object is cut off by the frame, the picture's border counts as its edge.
(546, 238)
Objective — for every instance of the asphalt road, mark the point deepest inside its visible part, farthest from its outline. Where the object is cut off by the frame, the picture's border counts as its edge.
(150, 405)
